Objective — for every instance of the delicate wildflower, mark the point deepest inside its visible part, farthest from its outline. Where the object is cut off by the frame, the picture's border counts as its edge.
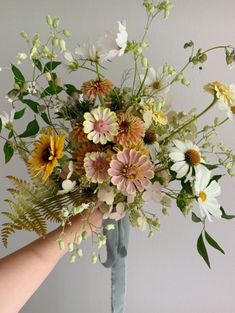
(21, 56)
(142, 222)
(89, 51)
(222, 92)
(131, 129)
(229, 109)
(93, 88)
(153, 193)
(106, 194)
(68, 185)
(7, 120)
(186, 157)
(96, 165)
(32, 88)
(152, 112)
(113, 45)
(100, 125)
(48, 150)
(131, 170)
(207, 192)
(157, 81)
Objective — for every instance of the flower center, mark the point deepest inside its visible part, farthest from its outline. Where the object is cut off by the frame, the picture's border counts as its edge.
(156, 84)
(203, 196)
(101, 126)
(124, 127)
(149, 137)
(46, 155)
(192, 157)
(129, 171)
(101, 165)
(233, 109)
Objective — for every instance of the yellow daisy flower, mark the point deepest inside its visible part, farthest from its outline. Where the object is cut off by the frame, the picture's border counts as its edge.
(48, 149)
(221, 91)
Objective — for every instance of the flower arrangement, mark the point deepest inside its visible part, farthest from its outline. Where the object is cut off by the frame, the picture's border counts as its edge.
(98, 145)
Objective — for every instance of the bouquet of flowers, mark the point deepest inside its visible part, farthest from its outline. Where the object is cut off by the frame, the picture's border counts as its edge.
(112, 147)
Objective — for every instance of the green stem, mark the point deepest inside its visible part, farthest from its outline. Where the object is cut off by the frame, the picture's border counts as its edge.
(191, 121)
(99, 77)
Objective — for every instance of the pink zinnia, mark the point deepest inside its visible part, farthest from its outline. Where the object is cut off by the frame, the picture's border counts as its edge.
(96, 165)
(131, 170)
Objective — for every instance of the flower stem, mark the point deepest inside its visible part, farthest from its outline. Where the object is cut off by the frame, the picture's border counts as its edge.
(190, 121)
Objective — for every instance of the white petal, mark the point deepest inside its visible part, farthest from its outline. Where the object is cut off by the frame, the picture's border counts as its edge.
(213, 207)
(182, 172)
(213, 190)
(180, 145)
(177, 156)
(177, 166)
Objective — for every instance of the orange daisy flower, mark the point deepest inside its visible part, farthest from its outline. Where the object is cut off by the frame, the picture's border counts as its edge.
(131, 130)
(92, 88)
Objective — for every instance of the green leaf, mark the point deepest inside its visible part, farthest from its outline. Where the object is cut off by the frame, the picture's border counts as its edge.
(45, 118)
(195, 218)
(31, 130)
(17, 73)
(0, 124)
(201, 248)
(216, 178)
(51, 90)
(19, 114)
(187, 187)
(38, 64)
(32, 104)
(210, 166)
(8, 151)
(11, 134)
(50, 66)
(181, 203)
(226, 216)
(70, 89)
(213, 243)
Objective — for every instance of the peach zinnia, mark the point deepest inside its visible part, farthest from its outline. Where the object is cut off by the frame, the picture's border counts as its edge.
(131, 130)
(96, 165)
(101, 125)
(131, 170)
(93, 88)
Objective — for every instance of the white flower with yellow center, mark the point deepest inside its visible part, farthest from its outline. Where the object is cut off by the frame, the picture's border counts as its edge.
(158, 81)
(186, 157)
(207, 192)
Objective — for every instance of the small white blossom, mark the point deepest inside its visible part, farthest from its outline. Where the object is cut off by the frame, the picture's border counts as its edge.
(6, 118)
(106, 194)
(153, 193)
(89, 51)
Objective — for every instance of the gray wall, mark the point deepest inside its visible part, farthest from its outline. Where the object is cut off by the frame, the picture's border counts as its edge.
(165, 274)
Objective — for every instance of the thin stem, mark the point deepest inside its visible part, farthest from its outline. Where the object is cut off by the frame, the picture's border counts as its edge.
(191, 121)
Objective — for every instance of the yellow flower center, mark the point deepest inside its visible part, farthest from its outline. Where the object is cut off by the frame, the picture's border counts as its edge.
(129, 171)
(192, 157)
(203, 196)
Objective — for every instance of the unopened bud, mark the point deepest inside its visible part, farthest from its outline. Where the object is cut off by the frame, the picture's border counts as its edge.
(62, 44)
(144, 62)
(66, 33)
(70, 246)
(56, 22)
(49, 20)
(72, 258)
(110, 227)
(94, 259)
(61, 244)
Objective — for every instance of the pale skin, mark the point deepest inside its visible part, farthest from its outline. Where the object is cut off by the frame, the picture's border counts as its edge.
(22, 272)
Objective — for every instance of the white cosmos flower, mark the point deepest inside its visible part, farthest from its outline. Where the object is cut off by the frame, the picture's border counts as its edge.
(112, 45)
(88, 51)
(227, 108)
(6, 119)
(207, 192)
(186, 157)
(157, 80)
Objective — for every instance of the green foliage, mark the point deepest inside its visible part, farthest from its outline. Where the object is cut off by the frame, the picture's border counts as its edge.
(31, 129)
(201, 248)
(195, 218)
(37, 64)
(0, 124)
(19, 114)
(213, 243)
(8, 151)
(50, 66)
(51, 90)
(45, 118)
(32, 104)
(19, 78)
(226, 216)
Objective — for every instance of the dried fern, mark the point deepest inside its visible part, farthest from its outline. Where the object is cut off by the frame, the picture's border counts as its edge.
(35, 204)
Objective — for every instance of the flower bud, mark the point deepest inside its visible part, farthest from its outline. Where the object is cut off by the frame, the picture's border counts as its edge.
(72, 258)
(24, 35)
(65, 212)
(66, 33)
(70, 246)
(144, 62)
(49, 20)
(110, 227)
(62, 44)
(185, 82)
(61, 244)
(94, 259)
(55, 41)
(55, 22)
(48, 76)
(79, 252)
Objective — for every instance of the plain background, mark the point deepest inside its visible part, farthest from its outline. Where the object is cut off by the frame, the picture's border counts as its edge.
(165, 274)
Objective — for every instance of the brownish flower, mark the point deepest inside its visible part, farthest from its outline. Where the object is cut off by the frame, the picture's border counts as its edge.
(92, 88)
(79, 155)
